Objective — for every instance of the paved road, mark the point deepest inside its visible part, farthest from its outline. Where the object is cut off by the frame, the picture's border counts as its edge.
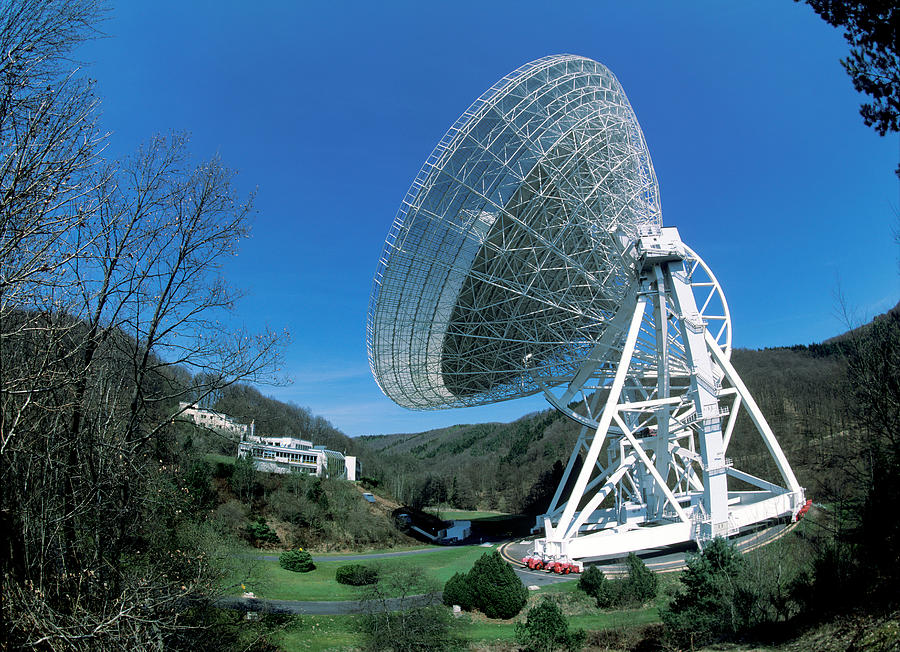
(320, 608)
(660, 561)
(374, 555)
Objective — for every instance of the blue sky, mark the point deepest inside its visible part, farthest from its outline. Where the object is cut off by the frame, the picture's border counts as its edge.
(329, 109)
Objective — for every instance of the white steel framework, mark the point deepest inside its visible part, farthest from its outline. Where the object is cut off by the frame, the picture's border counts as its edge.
(657, 422)
(529, 256)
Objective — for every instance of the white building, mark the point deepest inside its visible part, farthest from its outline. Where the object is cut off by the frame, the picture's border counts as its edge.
(211, 419)
(292, 455)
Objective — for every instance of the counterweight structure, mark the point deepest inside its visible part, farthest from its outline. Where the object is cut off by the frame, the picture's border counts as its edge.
(529, 256)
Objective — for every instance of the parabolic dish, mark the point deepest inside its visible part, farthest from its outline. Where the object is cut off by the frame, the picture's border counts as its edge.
(510, 244)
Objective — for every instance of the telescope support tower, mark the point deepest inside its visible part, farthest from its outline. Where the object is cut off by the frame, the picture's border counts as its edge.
(662, 416)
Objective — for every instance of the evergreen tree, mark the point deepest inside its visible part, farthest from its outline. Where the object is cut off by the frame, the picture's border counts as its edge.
(594, 583)
(299, 561)
(871, 28)
(706, 609)
(641, 585)
(497, 590)
(545, 628)
(458, 592)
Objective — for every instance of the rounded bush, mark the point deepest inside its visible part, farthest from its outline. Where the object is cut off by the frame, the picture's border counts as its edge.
(298, 561)
(356, 575)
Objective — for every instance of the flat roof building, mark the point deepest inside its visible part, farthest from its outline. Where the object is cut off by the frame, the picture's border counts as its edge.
(294, 455)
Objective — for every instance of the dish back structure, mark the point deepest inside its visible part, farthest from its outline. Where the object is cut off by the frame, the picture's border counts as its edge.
(510, 240)
(529, 255)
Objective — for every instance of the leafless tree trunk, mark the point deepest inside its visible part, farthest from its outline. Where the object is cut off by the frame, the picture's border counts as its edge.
(112, 310)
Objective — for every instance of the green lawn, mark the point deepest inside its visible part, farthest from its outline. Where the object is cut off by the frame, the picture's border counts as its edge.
(334, 633)
(460, 515)
(269, 580)
(322, 633)
(213, 457)
(342, 633)
(478, 629)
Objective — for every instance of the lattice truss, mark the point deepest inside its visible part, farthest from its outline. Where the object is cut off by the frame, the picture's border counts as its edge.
(508, 255)
(658, 400)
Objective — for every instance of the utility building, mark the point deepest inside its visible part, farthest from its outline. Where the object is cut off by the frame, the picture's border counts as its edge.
(292, 455)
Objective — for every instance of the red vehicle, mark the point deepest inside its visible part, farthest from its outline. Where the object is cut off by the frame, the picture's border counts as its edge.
(802, 511)
(561, 567)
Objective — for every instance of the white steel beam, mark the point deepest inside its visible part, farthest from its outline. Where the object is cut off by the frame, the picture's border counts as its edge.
(607, 416)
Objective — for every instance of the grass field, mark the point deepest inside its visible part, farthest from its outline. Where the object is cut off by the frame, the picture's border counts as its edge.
(321, 634)
(342, 633)
(213, 457)
(460, 515)
(267, 579)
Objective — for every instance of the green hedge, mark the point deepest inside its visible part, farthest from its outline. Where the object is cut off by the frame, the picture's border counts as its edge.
(356, 575)
(298, 561)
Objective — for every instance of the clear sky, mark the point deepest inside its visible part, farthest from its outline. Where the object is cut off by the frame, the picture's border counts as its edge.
(330, 109)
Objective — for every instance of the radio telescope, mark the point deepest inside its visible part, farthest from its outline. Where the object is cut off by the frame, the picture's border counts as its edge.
(529, 256)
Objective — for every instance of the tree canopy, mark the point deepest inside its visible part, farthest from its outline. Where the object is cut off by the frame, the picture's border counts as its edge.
(872, 29)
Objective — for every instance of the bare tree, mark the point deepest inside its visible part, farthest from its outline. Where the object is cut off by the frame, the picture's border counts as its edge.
(112, 310)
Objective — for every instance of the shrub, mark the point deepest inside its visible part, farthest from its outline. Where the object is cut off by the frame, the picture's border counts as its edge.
(232, 515)
(223, 470)
(458, 591)
(706, 609)
(498, 592)
(199, 481)
(545, 628)
(594, 583)
(298, 561)
(641, 584)
(260, 532)
(356, 575)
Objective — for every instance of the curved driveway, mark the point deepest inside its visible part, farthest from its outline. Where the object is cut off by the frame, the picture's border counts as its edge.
(659, 561)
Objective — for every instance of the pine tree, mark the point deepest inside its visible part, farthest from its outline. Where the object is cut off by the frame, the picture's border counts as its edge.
(546, 629)
(458, 592)
(641, 585)
(497, 591)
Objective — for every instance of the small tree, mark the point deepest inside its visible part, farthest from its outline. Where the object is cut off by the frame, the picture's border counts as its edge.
(641, 584)
(260, 532)
(706, 608)
(497, 590)
(298, 561)
(545, 628)
(458, 592)
(594, 582)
